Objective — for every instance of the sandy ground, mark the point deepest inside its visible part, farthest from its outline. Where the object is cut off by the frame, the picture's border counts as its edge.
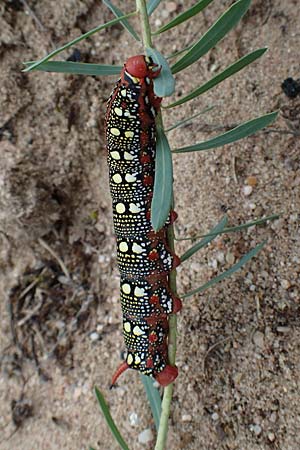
(238, 349)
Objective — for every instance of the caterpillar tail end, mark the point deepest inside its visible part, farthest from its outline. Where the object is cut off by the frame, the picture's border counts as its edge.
(167, 375)
(124, 366)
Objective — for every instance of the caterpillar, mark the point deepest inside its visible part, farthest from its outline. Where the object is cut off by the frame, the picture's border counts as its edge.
(143, 255)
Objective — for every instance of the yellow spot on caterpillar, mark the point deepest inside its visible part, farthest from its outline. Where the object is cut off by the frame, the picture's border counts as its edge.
(137, 331)
(123, 247)
(123, 92)
(117, 178)
(137, 359)
(120, 208)
(115, 155)
(139, 292)
(115, 131)
(129, 359)
(128, 156)
(137, 248)
(129, 134)
(126, 288)
(130, 178)
(118, 111)
(134, 208)
(127, 327)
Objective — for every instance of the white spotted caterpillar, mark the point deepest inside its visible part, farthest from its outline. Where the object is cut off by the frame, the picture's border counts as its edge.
(144, 257)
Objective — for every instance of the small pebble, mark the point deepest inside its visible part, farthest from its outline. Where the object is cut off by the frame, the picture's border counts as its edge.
(94, 336)
(251, 181)
(214, 264)
(247, 190)
(215, 416)
(133, 419)
(220, 257)
(64, 280)
(145, 436)
(285, 284)
(283, 329)
(230, 258)
(256, 429)
(77, 393)
(186, 418)
(171, 6)
(271, 437)
(259, 339)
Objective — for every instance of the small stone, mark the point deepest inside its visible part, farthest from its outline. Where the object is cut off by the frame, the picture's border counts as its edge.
(247, 190)
(64, 280)
(214, 264)
(271, 437)
(283, 329)
(215, 416)
(220, 257)
(251, 181)
(259, 339)
(171, 6)
(230, 258)
(94, 336)
(186, 418)
(256, 429)
(77, 393)
(285, 284)
(145, 436)
(133, 419)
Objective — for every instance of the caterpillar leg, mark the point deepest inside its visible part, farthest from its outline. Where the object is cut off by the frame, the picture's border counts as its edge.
(164, 378)
(167, 375)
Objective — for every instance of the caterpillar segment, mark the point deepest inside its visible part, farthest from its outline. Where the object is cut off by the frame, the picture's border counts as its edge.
(144, 257)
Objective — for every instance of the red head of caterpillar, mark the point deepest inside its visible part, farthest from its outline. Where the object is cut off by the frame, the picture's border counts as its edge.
(141, 67)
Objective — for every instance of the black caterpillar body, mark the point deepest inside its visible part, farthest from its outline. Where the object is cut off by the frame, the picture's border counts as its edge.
(144, 257)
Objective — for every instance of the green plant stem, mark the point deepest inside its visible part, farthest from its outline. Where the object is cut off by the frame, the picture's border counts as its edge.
(168, 391)
(145, 25)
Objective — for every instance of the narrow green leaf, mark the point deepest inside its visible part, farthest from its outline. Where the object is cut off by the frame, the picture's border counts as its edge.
(109, 420)
(91, 448)
(234, 229)
(228, 272)
(77, 68)
(153, 398)
(163, 183)
(199, 6)
(215, 231)
(118, 13)
(188, 119)
(228, 72)
(76, 40)
(152, 5)
(164, 84)
(215, 34)
(239, 132)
